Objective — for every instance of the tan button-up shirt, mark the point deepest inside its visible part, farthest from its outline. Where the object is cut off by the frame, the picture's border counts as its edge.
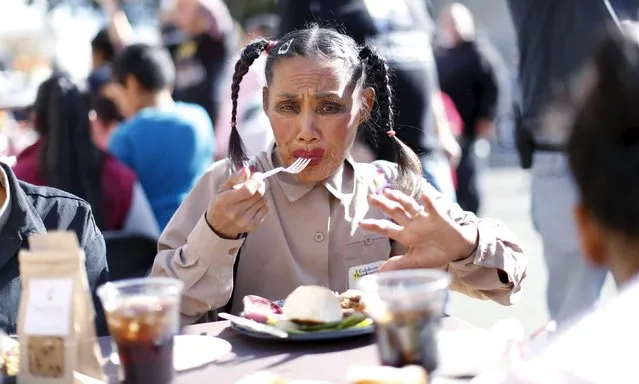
(311, 236)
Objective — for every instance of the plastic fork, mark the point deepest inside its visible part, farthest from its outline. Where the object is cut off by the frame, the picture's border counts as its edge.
(297, 167)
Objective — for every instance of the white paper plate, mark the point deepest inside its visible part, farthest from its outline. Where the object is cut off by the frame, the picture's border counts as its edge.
(192, 351)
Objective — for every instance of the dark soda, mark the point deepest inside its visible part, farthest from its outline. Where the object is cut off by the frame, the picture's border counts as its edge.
(408, 338)
(143, 333)
(147, 362)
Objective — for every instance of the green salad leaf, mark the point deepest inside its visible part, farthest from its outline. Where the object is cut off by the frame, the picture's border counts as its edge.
(358, 320)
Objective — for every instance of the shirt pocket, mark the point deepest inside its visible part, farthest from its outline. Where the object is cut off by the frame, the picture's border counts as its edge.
(365, 248)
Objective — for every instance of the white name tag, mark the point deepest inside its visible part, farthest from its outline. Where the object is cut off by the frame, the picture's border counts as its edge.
(359, 271)
(48, 307)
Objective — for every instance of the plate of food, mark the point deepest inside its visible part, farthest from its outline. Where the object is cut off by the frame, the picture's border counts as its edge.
(310, 312)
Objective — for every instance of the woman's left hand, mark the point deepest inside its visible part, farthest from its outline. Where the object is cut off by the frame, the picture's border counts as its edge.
(431, 237)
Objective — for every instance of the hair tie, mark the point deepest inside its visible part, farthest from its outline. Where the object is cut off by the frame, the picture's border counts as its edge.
(233, 124)
(390, 133)
(269, 47)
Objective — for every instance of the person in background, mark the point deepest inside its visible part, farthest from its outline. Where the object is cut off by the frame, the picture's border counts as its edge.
(66, 158)
(168, 144)
(107, 43)
(237, 234)
(602, 119)
(401, 30)
(555, 39)
(26, 209)
(104, 117)
(200, 36)
(102, 53)
(256, 132)
(467, 76)
(201, 59)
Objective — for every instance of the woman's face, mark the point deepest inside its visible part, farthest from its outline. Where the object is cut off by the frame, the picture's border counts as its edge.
(314, 113)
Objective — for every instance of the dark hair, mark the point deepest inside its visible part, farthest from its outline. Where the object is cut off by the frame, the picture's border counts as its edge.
(105, 109)
(102, 43)
(603, 146)
(151, 66)
(68, 158)
(367, 68)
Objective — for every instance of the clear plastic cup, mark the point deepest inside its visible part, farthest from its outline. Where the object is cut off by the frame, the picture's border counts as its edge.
(406, 306)
(143, 316)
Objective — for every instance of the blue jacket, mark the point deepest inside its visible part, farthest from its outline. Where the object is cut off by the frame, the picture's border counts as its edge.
(36, 210)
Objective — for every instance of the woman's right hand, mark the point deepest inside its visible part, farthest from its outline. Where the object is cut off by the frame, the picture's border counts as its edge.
(240, 206)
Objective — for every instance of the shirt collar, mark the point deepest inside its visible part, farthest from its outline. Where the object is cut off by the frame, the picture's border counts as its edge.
(341, 184)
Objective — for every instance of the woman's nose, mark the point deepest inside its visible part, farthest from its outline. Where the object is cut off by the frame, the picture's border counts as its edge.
(308, 132)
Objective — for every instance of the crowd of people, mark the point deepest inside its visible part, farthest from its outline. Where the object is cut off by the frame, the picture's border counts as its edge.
(171, 141)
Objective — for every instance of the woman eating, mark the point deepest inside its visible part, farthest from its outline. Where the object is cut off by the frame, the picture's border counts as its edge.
(237, 233)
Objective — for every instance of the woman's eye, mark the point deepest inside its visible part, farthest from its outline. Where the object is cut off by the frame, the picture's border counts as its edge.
(330, 108)
(287, 107)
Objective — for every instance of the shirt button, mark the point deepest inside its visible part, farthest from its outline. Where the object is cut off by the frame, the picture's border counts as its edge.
(319, 237)
(368, 240)
(232, 251)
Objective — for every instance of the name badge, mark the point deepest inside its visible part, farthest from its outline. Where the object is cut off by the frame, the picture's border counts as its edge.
(49, 307)
(359, 271)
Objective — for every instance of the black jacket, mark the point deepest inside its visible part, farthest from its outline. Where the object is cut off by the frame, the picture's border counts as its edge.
(36, 210)
(468, 76)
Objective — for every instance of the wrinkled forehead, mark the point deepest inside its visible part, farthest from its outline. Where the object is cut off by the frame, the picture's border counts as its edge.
(299, 76)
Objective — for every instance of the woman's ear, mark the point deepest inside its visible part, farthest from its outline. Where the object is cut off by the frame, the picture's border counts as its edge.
(265, 99)
(368, 100)
(592, 236)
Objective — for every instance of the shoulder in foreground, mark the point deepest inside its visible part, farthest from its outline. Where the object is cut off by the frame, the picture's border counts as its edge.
(60, 210)
(38, 195)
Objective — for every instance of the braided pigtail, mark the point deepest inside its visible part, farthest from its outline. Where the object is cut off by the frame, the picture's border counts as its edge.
(408, 163)
(237, 151)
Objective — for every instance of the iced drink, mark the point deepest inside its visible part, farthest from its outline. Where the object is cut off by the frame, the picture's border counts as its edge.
(143, 318)
(407, 307)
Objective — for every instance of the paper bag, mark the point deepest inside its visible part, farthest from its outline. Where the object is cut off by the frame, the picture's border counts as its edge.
(56, 320)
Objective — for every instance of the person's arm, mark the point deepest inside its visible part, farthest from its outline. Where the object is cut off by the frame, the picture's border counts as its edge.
(191, 251)
(442, 125)
(489, 94)
(493, 268)
(140, 218)
(496, 268)
(119, 28)
(92, 242)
